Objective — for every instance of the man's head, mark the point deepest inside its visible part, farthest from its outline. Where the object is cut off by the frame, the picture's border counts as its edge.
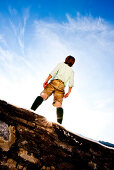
(70, 60)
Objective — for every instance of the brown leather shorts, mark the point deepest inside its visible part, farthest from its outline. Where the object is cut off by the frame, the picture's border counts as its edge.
(55, 87)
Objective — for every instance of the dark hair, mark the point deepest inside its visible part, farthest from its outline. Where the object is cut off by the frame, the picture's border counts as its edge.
(70, 60)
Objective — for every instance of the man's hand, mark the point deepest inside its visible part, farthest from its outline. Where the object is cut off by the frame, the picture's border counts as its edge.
(45, 84)
(66, 95)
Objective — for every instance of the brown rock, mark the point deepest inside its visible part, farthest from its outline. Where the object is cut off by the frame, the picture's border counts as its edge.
(28, 141)
(6, 144)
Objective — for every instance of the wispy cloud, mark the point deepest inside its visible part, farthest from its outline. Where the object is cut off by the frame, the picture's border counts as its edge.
(5, 55)
(3, 41)
(19, 26)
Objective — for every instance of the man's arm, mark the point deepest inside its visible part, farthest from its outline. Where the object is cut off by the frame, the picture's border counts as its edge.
(71, 84)
(46, 82)
(54, 71)
(67, 94)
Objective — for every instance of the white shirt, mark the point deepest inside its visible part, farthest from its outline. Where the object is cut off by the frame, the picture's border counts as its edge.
(65, 73)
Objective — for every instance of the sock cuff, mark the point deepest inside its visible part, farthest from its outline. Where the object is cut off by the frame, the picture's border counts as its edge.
(40, 98)
(38, 101)
(60, 109)
(59, 112)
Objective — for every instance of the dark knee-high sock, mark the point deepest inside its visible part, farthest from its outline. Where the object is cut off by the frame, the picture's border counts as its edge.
(38, 101)
(59, 115)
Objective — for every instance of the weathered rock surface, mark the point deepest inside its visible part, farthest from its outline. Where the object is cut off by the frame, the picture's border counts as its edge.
(29, 141)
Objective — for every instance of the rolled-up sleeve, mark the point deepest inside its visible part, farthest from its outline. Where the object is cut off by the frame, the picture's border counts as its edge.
(55, 70)
(71, 80)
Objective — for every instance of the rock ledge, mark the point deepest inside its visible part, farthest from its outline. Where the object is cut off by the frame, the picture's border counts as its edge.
(28, 140)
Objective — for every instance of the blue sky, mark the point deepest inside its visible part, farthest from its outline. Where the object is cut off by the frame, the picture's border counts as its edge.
(57, 9)
(36, 35)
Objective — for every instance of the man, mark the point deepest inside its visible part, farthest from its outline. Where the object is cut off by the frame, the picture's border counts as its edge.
(61, 75)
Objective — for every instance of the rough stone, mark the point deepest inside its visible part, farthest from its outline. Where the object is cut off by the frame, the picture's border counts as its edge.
(10, 163)
(24, 154)
(28, 141)
(6, 144)
(4, 131)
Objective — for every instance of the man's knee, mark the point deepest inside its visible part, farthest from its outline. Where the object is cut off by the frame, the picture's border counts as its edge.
(44, 95)
(57, 104)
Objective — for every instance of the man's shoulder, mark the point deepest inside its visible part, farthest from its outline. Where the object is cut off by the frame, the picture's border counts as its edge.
(65, 66)
(60, 64)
